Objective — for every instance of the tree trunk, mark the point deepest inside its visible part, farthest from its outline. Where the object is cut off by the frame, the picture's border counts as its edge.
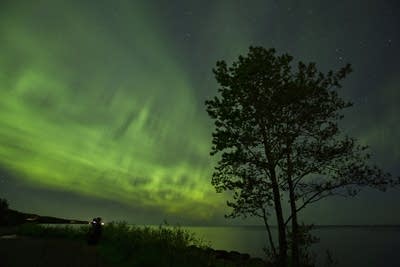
(282, 259)
(295, 227)
(271, 241)
(281, 223)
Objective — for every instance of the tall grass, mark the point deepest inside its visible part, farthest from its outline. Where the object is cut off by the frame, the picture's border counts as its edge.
(125, 245)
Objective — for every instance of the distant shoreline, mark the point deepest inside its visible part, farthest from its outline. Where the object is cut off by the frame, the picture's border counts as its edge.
(18, 217)
(343, 225)
(14, 217)
(314, 227)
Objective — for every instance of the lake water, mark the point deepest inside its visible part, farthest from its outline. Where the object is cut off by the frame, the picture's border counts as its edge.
(350, 246)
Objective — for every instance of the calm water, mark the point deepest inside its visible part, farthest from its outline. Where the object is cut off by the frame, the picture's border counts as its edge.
(350, 246)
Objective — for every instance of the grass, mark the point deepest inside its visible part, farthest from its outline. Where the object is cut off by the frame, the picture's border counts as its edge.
(44, 231)
(150, 246)
(124, 245)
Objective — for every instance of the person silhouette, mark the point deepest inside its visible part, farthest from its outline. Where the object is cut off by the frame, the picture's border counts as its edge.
(95, 231)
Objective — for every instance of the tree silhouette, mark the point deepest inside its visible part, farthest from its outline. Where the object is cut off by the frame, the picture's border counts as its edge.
(3, 210)
(277, 131)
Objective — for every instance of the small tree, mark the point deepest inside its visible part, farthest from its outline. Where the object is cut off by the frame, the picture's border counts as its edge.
(3, 210)
(277, 131)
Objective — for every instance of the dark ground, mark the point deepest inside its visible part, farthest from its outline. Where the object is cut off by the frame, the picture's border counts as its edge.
(30, 252)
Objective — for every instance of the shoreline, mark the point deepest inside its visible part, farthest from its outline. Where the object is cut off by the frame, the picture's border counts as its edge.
(118, 245)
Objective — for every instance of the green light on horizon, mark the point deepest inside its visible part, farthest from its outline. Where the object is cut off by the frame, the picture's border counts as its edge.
(81, 113)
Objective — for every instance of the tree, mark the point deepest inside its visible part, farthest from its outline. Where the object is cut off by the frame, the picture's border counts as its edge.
(276, 131)
(3, 210)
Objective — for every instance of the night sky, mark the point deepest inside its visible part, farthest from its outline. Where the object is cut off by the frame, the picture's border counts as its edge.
(102, 102)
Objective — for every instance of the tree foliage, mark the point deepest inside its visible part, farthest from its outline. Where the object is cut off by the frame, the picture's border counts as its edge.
(276, 131)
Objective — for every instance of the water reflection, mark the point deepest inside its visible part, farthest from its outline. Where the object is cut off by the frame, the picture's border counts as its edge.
(351, 246)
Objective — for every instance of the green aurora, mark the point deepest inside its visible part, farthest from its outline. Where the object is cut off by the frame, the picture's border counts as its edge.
(104, 99)
(81, 112)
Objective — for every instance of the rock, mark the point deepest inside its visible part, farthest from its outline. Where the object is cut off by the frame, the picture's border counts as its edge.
(221, 254)
(258, 262)
(237, 258)
(234, 255)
